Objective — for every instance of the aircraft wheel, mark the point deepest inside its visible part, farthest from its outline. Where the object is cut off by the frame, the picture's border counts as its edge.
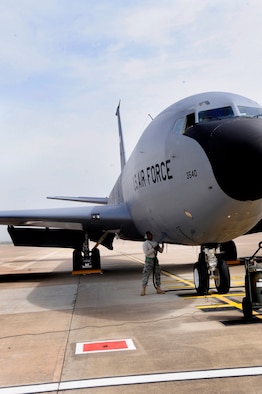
(95, 259)
(247, 308)
(201, 278)
(222, 280)
(230, 250)
(77, 260)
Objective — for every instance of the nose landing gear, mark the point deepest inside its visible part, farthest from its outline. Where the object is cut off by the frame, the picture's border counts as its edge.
(211, 265)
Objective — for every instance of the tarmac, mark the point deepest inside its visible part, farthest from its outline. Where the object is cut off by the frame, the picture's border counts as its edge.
(72, 333)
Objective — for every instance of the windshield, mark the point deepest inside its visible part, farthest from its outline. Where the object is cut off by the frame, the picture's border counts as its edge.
(250, 111)
(214, 114)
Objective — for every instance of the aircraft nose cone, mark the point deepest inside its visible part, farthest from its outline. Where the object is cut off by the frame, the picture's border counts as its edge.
(234, 148)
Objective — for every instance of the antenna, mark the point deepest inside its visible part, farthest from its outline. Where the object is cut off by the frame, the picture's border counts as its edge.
(121, 141)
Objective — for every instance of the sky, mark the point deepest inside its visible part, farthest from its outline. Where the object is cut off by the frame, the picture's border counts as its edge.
(64, 66)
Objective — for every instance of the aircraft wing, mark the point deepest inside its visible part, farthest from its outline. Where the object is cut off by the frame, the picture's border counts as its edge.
(106, 217)
(66, 227)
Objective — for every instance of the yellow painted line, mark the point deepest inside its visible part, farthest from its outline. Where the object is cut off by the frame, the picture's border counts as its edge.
(227, 302)
(198, 296)
(131, 257)
(213, 306)
(224, 301)
(177, 287)
(178, 279)
(215, 295)
(241, 294)
(237, 305)
(168, 274)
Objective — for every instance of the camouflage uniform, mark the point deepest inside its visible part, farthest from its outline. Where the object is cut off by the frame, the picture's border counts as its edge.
(150, 261)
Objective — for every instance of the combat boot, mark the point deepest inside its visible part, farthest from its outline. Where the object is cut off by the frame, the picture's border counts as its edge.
(159, 290)
(143, 292)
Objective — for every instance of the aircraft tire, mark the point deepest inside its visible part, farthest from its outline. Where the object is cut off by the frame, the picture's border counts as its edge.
(77, 260)
(95, 259)
(230, 250)
(247, 308)
(201, 278)
(222, 281)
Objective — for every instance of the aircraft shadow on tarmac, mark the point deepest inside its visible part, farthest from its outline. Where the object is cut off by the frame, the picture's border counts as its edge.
(116, 292)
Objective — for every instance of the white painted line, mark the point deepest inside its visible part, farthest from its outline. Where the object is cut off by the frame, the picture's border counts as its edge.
(35, 261)
(134, 379)
(20, 266)
(160, 378)
(36, 388)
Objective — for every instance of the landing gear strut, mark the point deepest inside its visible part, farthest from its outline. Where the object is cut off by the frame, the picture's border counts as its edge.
(211, 265)
(84, 259)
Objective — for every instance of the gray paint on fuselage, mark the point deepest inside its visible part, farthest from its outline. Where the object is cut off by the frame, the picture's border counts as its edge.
(190, 187)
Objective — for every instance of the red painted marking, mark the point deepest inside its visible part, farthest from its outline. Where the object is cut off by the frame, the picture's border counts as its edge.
(103, 346)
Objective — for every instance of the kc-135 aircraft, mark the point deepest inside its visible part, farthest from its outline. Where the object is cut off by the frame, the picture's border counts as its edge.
(194, 178)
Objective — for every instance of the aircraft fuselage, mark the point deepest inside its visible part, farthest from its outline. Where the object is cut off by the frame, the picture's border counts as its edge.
(185, 190)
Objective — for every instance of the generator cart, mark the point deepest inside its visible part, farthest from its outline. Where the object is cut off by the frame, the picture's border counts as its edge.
(253, 284)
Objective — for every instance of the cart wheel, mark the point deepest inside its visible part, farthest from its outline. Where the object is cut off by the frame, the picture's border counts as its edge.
(247, 308)
(247, 287)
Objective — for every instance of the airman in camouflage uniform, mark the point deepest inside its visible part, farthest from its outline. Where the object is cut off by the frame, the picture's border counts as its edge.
(151, 248)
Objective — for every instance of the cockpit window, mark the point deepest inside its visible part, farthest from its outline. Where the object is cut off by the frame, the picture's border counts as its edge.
(250, 111)
(190, 120)
(214, 114)
(179, 126)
